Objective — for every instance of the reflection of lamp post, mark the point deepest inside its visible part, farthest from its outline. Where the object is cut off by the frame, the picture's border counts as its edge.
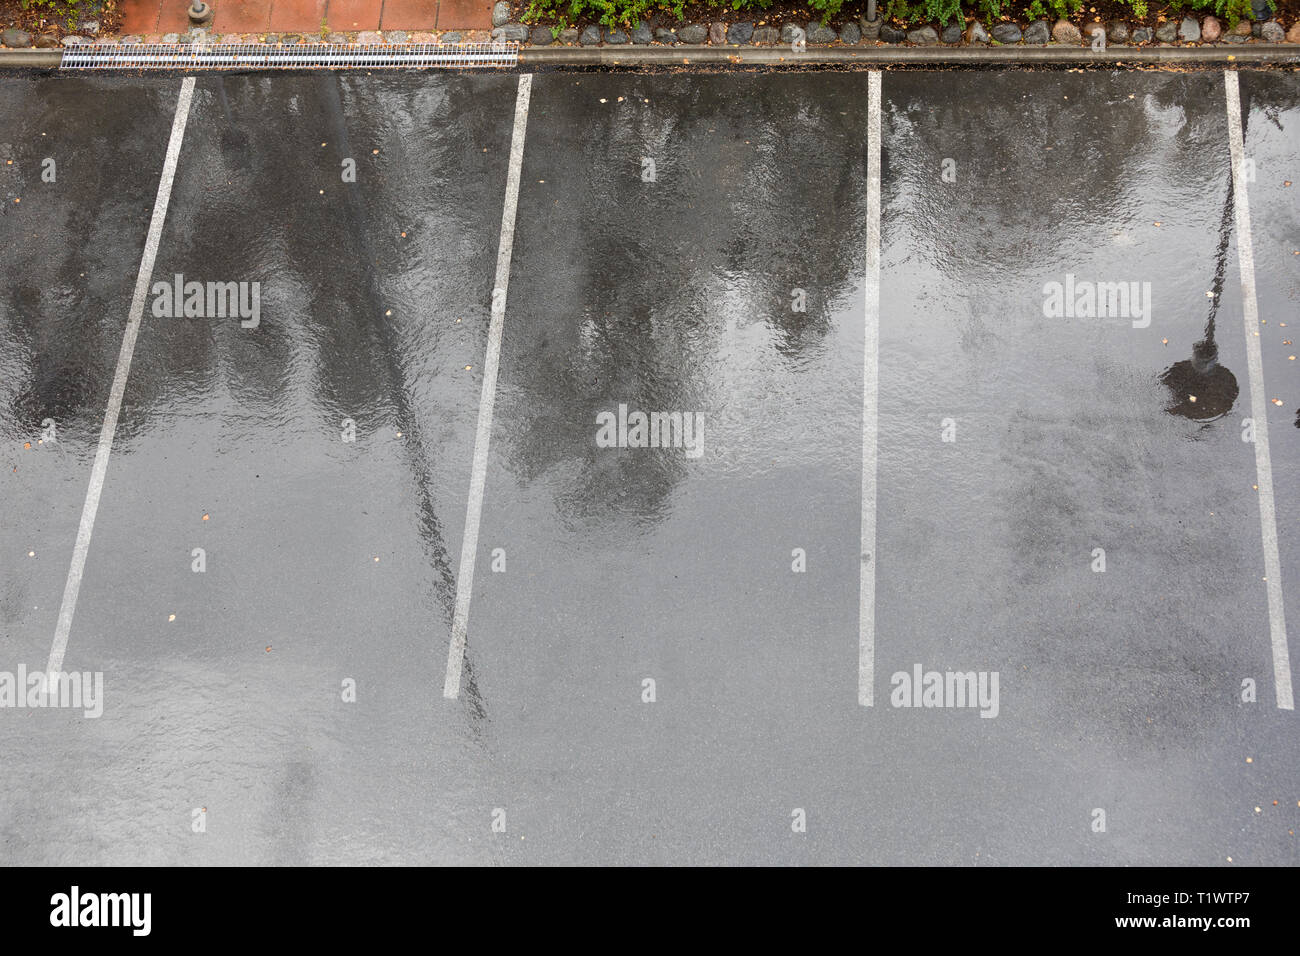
(1202, 389)
(199, 13)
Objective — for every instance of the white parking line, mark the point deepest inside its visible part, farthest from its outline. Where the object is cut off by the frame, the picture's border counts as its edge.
(474, 510)
(106, 433)
(870, 382)
(1258, 405)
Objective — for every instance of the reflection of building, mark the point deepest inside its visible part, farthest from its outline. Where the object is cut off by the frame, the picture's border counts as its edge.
(1200, 388)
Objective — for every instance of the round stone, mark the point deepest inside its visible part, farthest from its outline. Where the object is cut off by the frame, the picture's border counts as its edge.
(1006, 33)
(18, 39)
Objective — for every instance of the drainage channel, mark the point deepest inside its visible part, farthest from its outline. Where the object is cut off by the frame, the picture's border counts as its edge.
(228, 56)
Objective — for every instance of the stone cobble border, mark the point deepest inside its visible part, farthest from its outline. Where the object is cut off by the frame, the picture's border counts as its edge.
(1188, 31)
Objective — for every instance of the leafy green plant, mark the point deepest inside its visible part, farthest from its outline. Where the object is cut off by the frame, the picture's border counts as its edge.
(924, 11)
(826, 8)
(67, 11)
(898, 10)
(1235, 10)
(989, 10)
(1230, 10)
(70, 7)
(622, 13)
(1064, 9)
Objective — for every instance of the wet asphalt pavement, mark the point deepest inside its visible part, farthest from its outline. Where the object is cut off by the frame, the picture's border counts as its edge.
(597, 569)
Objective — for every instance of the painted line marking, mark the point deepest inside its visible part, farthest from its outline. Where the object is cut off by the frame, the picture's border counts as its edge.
(870, 388)
(1258, 405)
(482, 438)
(100, 468)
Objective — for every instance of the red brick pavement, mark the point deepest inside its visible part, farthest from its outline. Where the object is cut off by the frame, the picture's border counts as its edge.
(307, 16)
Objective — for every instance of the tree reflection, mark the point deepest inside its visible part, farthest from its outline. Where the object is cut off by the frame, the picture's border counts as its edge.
(665, 294)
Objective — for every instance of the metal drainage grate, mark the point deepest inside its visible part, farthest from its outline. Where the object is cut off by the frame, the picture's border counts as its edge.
(304, 56)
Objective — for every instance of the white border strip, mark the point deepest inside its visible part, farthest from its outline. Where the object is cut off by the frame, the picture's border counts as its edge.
(870, 390)
(106, 433)
(487, 401)
(1258, 402)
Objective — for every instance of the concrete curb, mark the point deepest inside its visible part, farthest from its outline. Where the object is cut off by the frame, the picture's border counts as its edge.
(30, 59)
(880, 57)
(919, 57)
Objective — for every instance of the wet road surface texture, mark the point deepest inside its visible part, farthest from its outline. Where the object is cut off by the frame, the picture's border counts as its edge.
(664, 646)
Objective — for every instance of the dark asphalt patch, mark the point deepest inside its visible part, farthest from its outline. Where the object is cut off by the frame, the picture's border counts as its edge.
(1114, 684)
(627, 564)
(674, 293)
(232, 442)
(72, 247)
